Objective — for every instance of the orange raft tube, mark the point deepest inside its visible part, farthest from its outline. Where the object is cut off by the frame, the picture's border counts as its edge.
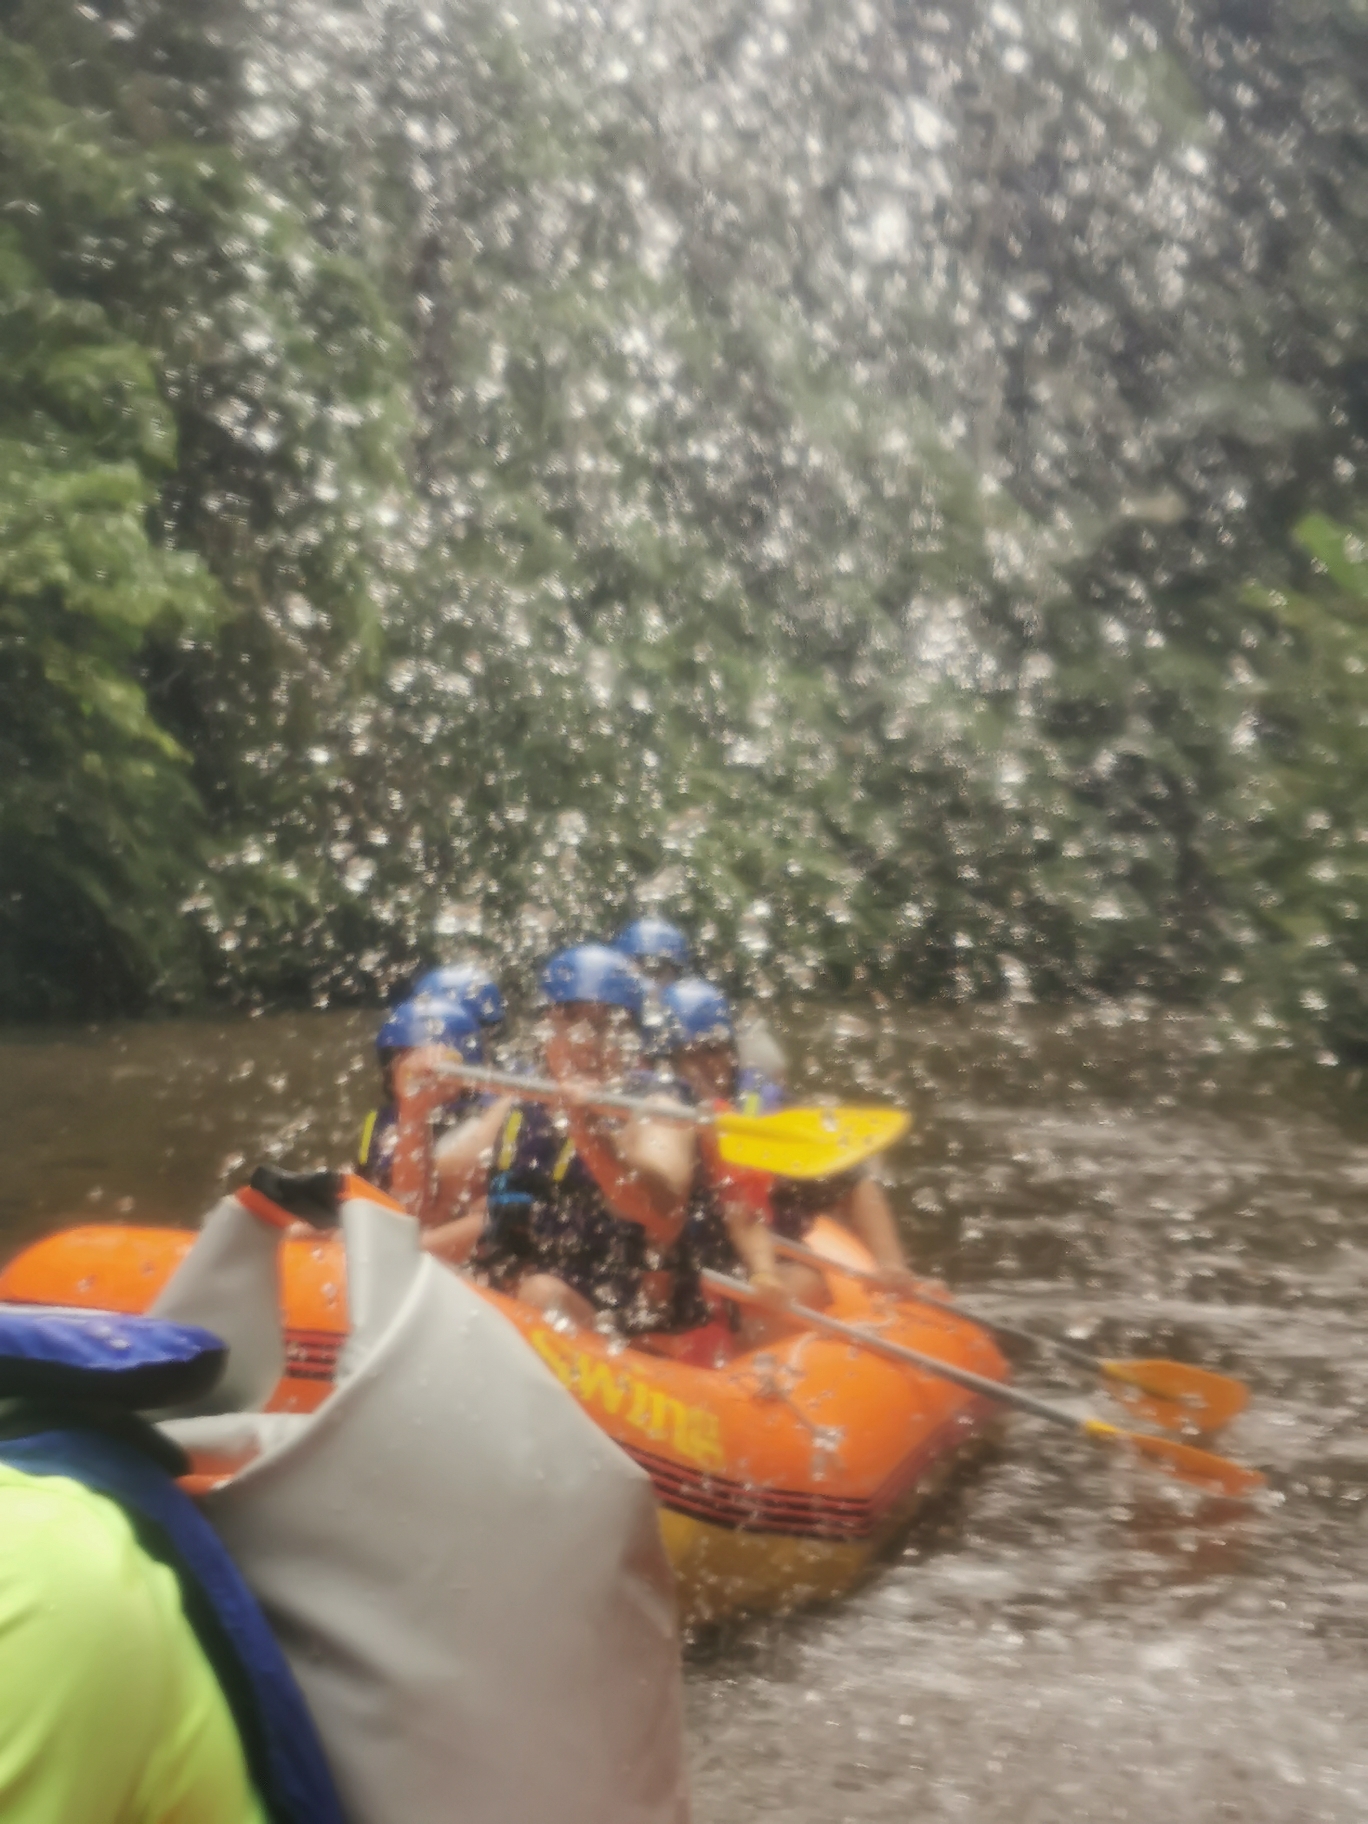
(781, 1475)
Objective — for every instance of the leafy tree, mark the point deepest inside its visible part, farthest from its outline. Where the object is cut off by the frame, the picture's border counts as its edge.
(1299, 871)
(200, 437)
(97, 817)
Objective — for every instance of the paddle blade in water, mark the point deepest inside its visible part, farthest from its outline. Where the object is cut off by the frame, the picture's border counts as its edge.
(1218, 1475)
(809, 1142)
(1176, 1396)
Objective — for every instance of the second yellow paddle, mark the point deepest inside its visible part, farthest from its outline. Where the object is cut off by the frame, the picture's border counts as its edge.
(1172, 1394)
(1202, 1468)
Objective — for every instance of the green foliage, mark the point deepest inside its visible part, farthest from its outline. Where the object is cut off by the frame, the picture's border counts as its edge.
(197, 460)
(96, 806)
(1300, 869)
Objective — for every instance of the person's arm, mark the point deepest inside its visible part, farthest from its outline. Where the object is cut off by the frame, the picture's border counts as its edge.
(454, 1242)
(750, 1235)
(461, 1160)
(868, 1212)
(643, 1168)
(420, 1085)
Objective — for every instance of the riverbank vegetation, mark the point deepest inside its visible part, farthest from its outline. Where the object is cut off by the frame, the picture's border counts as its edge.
(884, 488)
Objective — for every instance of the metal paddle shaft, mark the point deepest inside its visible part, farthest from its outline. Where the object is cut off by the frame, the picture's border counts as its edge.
(1172, 1394)
(898, 1352)
(792, 1142)
(1202, 1467)
(545, 1089)
(795, 1250)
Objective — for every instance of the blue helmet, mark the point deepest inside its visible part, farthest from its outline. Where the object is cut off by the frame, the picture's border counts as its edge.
(693, 1012)
(654, 940)
(593, 972)
(471, 985)
(428, 1020)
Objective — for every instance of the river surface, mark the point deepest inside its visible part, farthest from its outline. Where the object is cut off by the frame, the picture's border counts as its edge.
(1065, 1638)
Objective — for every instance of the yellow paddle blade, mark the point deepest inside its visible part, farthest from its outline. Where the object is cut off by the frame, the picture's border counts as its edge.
(1175, 1396)
(809, 1142)
(1216, 1474)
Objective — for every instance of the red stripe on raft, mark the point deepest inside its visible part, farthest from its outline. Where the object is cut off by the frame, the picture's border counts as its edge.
(969, 1419)
(311, 1355)
(799, 1514)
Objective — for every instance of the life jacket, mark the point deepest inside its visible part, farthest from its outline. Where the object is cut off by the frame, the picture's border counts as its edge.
(70, 1383)
(757, 1094)
(546, 1211)
(375, 1147)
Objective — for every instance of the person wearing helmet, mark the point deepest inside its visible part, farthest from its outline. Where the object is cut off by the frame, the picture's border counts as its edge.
(587, 1212)
(422, 1020)
(453, 1207)
(471, 985)
(659, 949)
(698, 1036)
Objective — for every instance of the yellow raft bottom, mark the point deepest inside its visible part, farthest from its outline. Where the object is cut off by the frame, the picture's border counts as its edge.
(721, 1572)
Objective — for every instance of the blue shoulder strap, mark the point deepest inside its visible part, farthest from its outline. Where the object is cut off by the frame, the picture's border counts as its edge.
(284, 1755)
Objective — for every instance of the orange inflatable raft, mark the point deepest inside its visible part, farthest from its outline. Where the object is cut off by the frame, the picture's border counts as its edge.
(781, 1475)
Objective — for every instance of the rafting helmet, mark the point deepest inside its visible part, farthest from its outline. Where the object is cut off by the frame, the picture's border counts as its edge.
(469, 984)
(693, 1012)
(427, 1019)
(653, 940)
(592, 972)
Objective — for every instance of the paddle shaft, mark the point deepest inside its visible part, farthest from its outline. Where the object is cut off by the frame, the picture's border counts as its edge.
(543, 1089)
(794, 1250)
(1173, 1395)
(899, 1352)
(1200, 1467)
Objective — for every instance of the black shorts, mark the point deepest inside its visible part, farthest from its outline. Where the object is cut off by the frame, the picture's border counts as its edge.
(798, 1202)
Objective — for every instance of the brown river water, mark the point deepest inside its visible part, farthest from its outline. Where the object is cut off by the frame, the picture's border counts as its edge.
(1065, 1637)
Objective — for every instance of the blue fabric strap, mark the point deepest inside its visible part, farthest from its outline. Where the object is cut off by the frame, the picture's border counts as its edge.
(284, 1754)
